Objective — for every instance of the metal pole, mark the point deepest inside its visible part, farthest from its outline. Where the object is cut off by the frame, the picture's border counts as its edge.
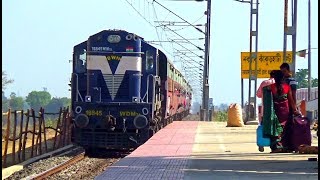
(285, 30)
(205, 95)
(250, 63)
(242, 103)
(294, 38)
(256, 63)
(309, 50)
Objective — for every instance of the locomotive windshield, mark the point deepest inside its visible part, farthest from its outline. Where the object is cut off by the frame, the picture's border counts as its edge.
(81, 61)
(149, 61)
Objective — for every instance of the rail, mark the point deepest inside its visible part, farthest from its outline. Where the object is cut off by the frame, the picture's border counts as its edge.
(58, 168)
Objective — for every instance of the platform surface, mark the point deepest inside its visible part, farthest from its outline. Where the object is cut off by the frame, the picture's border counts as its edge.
(209, 150)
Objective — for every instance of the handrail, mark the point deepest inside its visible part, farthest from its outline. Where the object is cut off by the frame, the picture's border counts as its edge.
(147, 91)
(77, 86)
(77, 89)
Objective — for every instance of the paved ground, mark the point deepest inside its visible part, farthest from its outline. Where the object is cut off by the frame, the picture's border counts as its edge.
(221, 152)
(209, 150)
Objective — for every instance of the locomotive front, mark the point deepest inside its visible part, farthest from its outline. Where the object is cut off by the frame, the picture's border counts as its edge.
(106, 85)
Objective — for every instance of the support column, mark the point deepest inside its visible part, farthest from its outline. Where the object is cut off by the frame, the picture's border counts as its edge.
(253, 57)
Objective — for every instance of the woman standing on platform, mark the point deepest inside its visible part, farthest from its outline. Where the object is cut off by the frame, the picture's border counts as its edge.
(276, 122)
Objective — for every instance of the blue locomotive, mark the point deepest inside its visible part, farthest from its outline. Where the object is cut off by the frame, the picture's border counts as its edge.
(123, 90)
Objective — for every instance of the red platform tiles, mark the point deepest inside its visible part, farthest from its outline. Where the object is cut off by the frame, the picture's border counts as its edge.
(163, 156)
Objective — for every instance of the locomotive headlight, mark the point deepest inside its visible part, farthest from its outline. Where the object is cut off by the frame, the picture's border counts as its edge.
(82, 120)
(114, 38)
(140, 121)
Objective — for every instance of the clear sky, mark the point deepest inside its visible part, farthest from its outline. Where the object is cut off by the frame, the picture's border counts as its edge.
(39, 35)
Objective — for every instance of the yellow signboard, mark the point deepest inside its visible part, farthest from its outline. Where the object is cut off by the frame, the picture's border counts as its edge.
(267, 61)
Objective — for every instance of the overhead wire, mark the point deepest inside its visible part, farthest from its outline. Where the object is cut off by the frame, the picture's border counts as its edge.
(164, 32)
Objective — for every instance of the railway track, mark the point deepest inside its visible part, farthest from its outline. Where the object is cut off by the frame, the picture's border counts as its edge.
(58, 167)
(72, 164)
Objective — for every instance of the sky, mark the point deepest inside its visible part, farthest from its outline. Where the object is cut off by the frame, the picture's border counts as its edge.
(38, 38)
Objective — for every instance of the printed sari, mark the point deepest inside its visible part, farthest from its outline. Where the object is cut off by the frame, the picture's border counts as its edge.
(277, 118)
(271, 124)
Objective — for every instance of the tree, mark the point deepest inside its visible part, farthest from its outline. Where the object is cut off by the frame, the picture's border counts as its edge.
(25, 106)
(37, 99)
(16, 103)
(66, 101)
(314, 82)
(5, 80)
(5, 103)
(302, 79)
(53, 105)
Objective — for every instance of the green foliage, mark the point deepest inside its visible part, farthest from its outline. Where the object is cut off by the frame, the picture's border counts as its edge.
(5, 103)
(314, 82)
(37, 99)
(51, 123)
(5, 80)
(302, 79)
(220, 116)
(66, 101)
(55, 104)
(16, 103)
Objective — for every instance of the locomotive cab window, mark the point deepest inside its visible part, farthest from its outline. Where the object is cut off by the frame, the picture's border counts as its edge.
(81, 61)
(149, 61)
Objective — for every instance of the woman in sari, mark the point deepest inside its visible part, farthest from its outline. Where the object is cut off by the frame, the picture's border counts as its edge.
(282, 103)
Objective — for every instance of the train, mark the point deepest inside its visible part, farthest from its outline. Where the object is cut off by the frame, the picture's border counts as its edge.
(302, 94)
(123, 90)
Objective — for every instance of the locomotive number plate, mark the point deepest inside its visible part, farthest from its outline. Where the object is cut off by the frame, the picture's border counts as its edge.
(93, 113)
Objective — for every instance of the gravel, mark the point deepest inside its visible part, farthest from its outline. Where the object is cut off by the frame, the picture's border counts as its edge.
(38, 167)
(87, 168)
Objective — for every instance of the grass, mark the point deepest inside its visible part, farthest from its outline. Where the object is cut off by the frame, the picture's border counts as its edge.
(220, 116)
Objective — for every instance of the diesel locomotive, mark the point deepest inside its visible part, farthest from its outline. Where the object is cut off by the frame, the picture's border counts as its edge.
(123, 90)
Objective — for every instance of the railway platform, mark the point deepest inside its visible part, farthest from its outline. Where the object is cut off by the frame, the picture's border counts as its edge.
(209, 150)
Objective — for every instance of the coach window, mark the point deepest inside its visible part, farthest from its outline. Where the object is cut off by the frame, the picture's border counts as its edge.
(149, 61)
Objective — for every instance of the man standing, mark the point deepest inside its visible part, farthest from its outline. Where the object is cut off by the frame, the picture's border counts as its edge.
(285, 68)
(288, 79)
(260, 89)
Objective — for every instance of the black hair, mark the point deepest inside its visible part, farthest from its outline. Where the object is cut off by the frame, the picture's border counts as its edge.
(278, 77)
(272, 73)
(285, 65)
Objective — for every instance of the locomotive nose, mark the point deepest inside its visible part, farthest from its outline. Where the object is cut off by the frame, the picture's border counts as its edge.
(82, 120)
(140, 121)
